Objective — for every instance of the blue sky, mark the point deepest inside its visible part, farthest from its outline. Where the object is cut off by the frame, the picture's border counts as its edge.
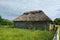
(10, 9)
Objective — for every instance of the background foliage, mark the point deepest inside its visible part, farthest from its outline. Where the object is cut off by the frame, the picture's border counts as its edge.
(57, 21)
(5, 21)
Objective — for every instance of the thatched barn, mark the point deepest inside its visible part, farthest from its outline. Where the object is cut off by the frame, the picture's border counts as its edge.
(33, 20)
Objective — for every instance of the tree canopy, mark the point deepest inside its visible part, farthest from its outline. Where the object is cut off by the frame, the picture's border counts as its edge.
(57, 21)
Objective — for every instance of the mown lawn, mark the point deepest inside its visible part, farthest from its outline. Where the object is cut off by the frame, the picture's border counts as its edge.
(24, 34)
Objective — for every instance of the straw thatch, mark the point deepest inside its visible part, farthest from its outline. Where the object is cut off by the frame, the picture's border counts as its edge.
(38, 15)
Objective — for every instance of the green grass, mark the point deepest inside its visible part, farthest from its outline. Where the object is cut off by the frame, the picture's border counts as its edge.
(59, 31)
(24, 34)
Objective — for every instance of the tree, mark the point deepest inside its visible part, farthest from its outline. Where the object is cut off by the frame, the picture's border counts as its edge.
(1, 20)
(57, 21)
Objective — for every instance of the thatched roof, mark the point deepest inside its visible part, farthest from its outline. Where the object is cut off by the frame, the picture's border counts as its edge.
(38, 15)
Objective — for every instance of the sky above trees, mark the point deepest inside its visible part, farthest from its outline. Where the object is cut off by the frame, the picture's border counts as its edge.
(10, 9)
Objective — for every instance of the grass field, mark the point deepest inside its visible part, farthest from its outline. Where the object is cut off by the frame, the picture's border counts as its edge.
(24, 34)
(59, 32)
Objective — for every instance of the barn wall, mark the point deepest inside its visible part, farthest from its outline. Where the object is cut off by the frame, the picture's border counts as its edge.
(19, 24)
(33, 25)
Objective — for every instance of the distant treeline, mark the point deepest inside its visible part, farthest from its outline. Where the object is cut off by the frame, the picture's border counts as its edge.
(5, 21)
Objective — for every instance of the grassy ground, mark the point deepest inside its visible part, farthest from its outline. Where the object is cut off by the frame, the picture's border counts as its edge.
(24, 34)
(59, 32)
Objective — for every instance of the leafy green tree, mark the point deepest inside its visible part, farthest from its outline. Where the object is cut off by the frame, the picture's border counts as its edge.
(1, 20)
(57, 21)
